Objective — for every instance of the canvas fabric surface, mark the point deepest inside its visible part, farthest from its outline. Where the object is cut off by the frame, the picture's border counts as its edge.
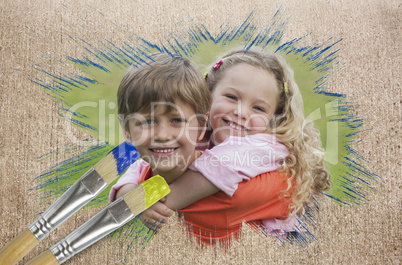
(30, 127)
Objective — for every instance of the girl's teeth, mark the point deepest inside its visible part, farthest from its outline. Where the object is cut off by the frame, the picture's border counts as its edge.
(237, 127)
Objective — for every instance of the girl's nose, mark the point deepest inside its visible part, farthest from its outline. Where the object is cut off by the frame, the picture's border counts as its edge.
(241, 111)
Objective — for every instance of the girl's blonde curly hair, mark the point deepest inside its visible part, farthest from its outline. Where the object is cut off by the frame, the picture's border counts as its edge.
(305, 163)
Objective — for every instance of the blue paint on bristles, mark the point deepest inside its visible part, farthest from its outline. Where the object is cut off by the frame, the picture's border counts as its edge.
(125, 154)
(71, 169)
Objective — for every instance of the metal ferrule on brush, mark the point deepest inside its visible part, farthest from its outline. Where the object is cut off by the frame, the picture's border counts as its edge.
(79, 194)
(109, 219)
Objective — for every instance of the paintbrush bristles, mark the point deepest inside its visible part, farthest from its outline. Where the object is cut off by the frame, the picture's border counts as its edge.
(135, 200)
(107, 168)
(146, 194)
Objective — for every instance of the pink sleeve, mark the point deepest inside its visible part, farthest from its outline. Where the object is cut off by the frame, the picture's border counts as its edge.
(131, 176)
(240, 158)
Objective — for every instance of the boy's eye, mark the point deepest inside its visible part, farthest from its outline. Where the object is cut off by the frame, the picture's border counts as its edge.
(178, 120)
(147, 122)
(232, 97)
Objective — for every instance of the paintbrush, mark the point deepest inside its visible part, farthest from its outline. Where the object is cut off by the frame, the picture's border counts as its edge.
(80, 193)
(109, 219)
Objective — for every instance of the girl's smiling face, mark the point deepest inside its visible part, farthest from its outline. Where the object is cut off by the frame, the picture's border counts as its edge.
(243, 102)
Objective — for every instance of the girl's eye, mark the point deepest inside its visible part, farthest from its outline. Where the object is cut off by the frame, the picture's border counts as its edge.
(259, 108)
(232, 97)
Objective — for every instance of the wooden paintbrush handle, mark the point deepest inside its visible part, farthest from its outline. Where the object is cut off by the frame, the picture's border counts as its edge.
(46, 258)
(18, 248)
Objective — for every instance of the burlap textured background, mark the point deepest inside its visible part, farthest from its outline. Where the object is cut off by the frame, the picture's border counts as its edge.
(371, 49)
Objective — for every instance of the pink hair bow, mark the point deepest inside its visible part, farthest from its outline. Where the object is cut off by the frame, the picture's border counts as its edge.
(216, 66)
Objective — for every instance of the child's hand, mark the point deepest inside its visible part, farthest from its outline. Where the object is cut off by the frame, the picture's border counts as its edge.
(155, 215)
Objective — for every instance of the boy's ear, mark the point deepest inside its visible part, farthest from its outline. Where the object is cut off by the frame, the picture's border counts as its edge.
(202, 131)
(126, 134)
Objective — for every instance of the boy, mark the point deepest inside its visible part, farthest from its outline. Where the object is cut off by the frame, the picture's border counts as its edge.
(162, 106)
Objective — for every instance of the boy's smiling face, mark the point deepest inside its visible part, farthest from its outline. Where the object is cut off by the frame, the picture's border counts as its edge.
(166, 139)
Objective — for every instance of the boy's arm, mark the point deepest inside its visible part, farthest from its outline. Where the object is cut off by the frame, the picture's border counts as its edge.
(130, 177)
(152, 217)
(192, 186)
(124, 189)
(155, 215)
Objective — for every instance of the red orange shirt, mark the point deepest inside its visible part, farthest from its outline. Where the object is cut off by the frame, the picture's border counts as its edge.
(219, 216)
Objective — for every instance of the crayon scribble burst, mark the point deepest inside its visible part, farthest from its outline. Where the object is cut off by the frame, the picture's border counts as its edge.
(88, 100)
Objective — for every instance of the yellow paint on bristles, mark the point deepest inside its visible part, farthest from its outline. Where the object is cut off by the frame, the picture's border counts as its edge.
(146, 194)
(107, 168)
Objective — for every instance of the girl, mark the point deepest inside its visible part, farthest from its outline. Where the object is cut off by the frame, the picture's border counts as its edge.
(255, 101)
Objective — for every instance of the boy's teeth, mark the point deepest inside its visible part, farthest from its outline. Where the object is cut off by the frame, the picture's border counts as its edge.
(163, 150)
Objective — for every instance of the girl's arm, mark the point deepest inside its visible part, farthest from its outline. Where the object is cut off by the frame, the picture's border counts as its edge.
(224, 166)
(240, 158)
(191, 187)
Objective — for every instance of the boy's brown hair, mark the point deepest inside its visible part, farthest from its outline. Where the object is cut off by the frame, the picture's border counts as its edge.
(163, 78)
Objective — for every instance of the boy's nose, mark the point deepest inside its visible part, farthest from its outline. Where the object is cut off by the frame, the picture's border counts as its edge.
(162, 133)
